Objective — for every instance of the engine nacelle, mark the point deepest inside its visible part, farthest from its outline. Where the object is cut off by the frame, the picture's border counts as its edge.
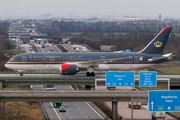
(68, 69)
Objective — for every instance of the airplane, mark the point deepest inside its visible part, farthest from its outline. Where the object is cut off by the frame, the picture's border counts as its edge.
(71, 63)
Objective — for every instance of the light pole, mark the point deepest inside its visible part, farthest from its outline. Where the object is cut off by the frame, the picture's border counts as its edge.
(71, 14)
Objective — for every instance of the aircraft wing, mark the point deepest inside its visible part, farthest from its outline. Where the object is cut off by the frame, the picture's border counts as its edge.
(97, 62)
(169, 56)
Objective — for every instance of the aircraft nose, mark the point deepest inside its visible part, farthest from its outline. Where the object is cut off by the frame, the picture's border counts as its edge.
(6, 65)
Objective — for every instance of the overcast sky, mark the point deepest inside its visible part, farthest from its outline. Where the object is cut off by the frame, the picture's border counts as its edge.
(87, 8)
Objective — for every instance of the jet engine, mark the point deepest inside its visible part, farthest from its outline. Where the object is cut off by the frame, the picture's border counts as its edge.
(68, 69)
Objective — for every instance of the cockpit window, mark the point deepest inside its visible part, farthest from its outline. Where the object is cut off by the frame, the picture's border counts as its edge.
(12, 59)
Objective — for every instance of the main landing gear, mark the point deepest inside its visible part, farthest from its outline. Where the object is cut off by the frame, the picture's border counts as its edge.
(21, 74)
(90, 74)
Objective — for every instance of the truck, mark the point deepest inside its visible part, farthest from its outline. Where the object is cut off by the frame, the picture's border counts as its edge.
(84, 49)
(57, 104)
(136, 105)
(38, 41)
(77, 49)
(31, 42)
(47, 44)
(158, 115)
(69, 43)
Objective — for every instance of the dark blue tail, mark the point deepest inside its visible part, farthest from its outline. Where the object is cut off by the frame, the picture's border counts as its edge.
(156, 46)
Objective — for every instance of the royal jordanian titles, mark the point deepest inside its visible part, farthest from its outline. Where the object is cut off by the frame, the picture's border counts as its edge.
(71, 63)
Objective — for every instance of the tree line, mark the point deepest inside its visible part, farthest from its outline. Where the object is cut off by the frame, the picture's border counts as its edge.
(123, 40)
(135, 42)
(5, 45)
(114, 27)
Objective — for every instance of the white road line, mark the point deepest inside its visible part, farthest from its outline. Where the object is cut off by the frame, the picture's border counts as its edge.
(40, 48)
(57, 48)
(55, 111)
(129, 87)
(52, 106)
(95, 111)
(25, 46)
(91, 107)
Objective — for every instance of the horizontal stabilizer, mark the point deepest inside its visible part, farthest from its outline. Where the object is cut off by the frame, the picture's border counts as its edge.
(169, 55)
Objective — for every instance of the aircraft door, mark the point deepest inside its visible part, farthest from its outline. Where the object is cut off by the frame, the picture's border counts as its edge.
(51, 59)
(136, 59)
(23, 59)
(103, 57)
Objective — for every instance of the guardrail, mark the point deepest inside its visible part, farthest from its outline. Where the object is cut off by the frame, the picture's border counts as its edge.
(81, 72)
(47, 78)
(34, 48)
(45, 114)
(175, 79)
(62, 48)
(83, 78)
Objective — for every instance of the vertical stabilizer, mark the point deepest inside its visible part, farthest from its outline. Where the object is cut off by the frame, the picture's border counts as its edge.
(156, 46)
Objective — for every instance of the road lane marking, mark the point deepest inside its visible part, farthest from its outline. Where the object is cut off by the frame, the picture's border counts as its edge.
(52, 106)
(91, 107)
(95, 111)
(55, 111)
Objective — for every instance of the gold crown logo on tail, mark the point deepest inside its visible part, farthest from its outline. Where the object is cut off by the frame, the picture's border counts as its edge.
(158, 44)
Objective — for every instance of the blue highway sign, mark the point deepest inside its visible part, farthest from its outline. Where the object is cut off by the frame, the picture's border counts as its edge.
(120, 78)
(148, 79)
(164, 101)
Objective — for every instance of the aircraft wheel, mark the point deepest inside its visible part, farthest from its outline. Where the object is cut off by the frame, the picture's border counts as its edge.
(21, 74)
(88, 74)
(92, 74)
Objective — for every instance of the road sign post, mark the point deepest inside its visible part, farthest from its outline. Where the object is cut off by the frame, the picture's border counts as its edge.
(120, 78)
(164, 101)
(148, 79)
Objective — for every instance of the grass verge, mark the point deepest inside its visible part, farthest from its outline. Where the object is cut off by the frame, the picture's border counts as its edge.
(21, 110)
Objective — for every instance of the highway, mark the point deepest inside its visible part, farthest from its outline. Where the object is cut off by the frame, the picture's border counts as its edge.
(70, 48)
(74, 110)
(51, 113)
(125, 111)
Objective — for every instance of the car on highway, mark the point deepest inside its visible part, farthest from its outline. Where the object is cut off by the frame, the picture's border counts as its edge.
(62, 109)
(49, 87)
(30, 48)
(111, 87)
(51, 49)
(47, 44)
(52, 44)
(31, 87)
(43, 45)
(57, 104)
(136, 105)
